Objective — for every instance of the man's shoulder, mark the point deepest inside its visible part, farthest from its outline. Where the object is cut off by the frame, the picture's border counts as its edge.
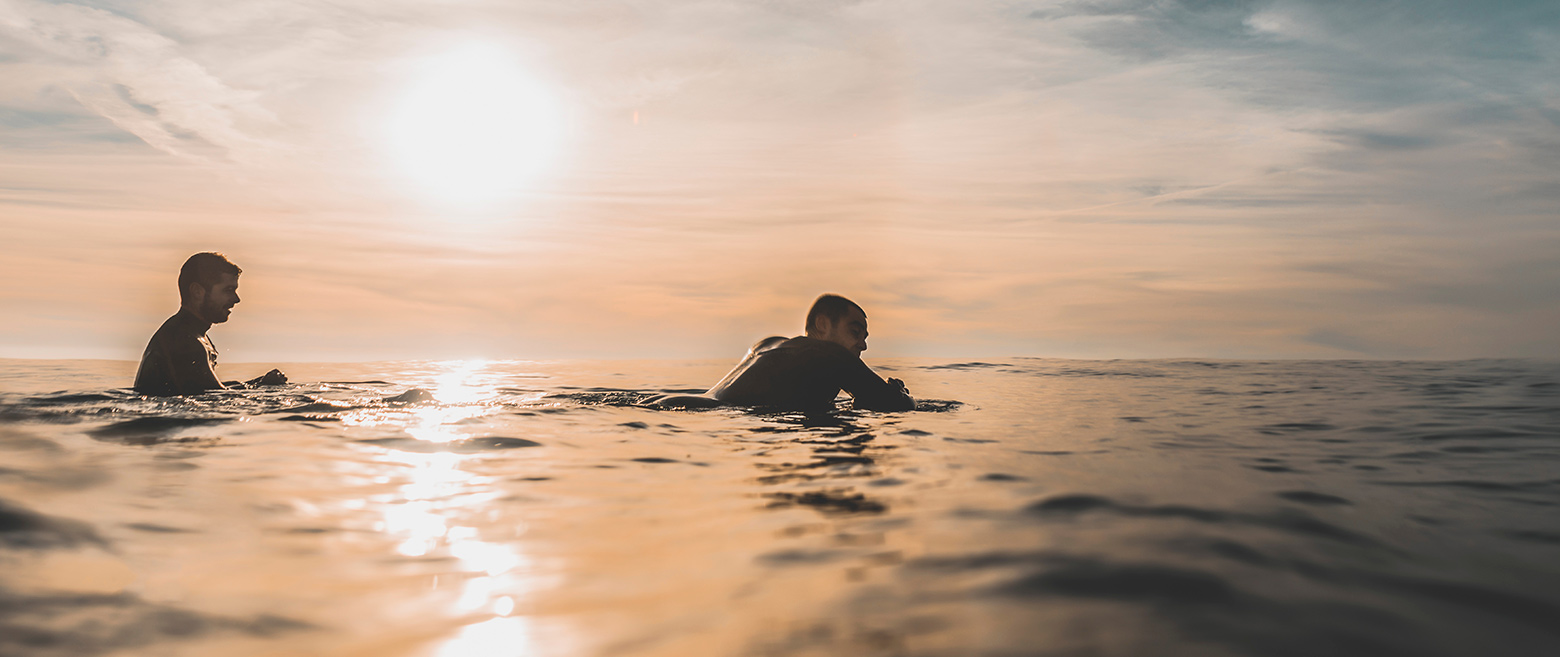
(178, 333)
(815, 348)
(181, 324)
(768, 343)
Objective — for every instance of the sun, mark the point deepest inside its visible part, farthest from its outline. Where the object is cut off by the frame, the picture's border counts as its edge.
(472, 128)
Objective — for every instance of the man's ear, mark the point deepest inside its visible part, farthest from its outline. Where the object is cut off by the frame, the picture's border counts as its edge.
(195, 293)
(821, 325)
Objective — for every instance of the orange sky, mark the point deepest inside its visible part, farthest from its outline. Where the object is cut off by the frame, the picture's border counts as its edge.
(1073, 179)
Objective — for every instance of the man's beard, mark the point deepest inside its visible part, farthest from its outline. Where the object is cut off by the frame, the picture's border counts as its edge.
(214, 313)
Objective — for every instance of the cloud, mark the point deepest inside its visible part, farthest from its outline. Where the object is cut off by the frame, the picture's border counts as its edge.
(138, 79)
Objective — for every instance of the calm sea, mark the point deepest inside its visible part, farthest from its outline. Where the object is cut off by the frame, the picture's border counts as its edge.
(1029, 507)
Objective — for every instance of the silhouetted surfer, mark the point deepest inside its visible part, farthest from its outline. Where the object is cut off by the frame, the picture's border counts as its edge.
(807, 372)
(180, 359)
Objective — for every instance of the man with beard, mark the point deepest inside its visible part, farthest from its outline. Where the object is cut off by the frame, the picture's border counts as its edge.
(180, 359)
(807, 372)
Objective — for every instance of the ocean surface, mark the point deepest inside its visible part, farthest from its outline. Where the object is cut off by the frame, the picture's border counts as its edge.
(1028, 507)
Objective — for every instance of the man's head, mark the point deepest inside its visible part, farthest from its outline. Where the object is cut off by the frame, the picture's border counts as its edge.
(208, 286)
(834, 318)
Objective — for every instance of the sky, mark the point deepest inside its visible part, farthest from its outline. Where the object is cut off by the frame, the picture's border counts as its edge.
(642, 179)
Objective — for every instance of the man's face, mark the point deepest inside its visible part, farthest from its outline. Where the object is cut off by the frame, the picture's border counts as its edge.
(849, 330)
(219, 299)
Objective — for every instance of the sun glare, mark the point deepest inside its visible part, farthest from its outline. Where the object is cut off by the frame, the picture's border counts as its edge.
(473, 128)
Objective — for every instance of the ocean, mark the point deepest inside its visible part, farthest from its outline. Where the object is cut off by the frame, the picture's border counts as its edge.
(1027, 507)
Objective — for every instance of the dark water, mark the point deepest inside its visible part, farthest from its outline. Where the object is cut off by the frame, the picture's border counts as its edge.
(1030, 507)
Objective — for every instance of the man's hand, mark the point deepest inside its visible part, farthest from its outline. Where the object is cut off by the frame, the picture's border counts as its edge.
(271, 378)
(900, 385)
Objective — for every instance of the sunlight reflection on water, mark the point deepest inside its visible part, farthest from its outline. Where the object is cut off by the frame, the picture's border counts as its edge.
(499, 636)
(456, 387)
(465, 390)
(423, 514)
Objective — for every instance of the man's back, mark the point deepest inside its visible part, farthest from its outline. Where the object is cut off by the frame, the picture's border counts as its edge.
(806, 373)
(179, 359)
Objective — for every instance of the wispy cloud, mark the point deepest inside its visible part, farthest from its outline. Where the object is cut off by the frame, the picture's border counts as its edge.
(136, 78)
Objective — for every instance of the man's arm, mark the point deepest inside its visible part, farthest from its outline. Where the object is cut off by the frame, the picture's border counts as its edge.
(271, 378)
(872, 393)
(192, 373)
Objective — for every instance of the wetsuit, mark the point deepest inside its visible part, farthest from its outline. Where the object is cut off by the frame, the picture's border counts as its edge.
(806, 373)
(179, 359)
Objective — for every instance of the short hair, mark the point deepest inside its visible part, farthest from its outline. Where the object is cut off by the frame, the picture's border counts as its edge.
(832, 306)
(204, 269)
